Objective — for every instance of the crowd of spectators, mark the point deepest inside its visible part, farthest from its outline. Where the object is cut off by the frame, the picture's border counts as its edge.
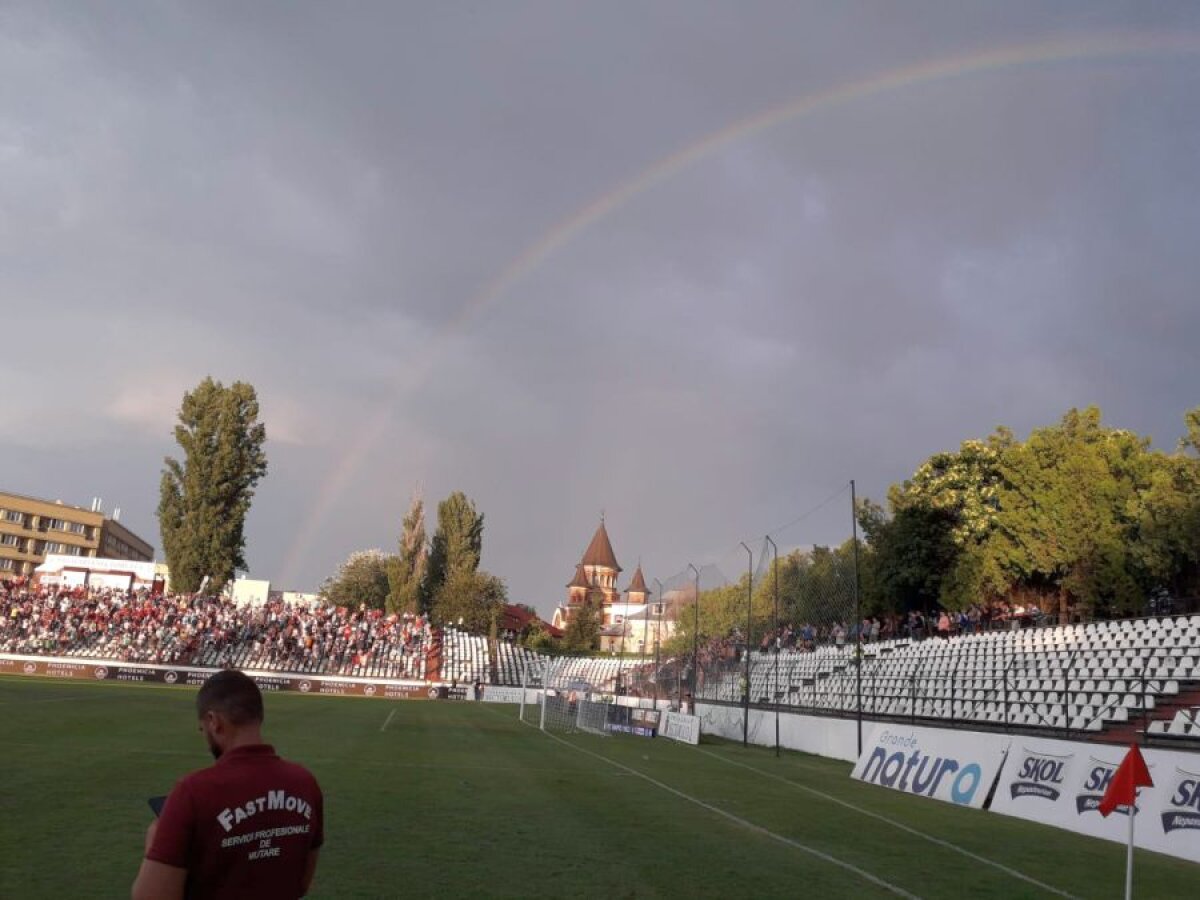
(212, 631)
(914, 625)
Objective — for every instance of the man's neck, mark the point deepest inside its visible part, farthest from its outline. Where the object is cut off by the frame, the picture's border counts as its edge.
(245, 737)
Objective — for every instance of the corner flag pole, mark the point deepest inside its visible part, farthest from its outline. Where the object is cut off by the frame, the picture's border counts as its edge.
(1129, 849)
(1122, 791)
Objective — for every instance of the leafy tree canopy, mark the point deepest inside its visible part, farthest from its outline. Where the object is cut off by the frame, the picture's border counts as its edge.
(361, 579)
(470, 600)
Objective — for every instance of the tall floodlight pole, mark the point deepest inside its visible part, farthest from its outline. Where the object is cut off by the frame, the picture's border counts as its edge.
(858, 647)
(621, 661)
(695, 641)
(778, 648)
(645, 636)
(746, 677)
(657, 637)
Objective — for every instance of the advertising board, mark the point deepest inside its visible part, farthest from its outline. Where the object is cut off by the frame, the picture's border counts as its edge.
(106, 670)
(681, 727)
(1061, 782)
(632, 720)
(493, 693)
(955, 766)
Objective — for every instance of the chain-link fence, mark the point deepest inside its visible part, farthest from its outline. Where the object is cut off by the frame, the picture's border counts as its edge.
(711, 629)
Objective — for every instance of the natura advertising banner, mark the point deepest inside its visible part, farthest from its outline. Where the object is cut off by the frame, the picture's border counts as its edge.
(1061, 782)
(955, 766)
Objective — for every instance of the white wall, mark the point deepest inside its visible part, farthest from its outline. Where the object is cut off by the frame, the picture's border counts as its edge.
(835, 738)
(250, 591)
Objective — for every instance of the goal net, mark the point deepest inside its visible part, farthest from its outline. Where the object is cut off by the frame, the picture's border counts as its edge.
(554, 701)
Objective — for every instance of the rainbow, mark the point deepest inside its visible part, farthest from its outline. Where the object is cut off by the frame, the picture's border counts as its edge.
(1091, 48)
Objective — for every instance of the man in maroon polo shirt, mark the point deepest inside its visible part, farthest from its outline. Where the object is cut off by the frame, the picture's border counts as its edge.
(248, 826)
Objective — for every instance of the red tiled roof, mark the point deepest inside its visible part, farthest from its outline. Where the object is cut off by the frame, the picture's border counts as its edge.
(516, 618)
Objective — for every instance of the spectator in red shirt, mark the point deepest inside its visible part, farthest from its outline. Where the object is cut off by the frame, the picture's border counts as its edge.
(248, 826)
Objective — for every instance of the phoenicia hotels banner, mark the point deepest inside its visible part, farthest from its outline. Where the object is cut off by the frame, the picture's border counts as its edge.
(116, 670)
(1061, 782)
(955, 766)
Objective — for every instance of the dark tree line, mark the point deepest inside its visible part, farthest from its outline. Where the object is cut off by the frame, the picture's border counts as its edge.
(439, 577)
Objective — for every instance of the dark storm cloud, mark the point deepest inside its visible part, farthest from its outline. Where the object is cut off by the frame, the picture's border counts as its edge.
(309, 196)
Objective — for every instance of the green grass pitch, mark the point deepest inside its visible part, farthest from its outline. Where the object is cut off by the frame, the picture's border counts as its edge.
(462, 800)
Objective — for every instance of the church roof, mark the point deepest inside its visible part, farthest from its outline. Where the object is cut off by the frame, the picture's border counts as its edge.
(600, 551)
(580, 579)
(638, 584)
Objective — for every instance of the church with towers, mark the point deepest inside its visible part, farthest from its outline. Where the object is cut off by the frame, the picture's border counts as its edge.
(596, 579)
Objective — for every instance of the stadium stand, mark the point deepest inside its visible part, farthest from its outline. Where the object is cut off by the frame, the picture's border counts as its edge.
(206, 631)
(1108, 679)
(602, 673)
(465, 657)
(1083, 678)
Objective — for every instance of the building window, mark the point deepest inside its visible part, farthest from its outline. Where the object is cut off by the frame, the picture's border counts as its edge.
(54, 524)
(10, 540)
(6, 563)
(52, 547)
(77, 528)
(11, 515)
(72, 551)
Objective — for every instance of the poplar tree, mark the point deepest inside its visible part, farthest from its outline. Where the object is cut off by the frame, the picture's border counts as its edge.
(457, 544)
(204, 498)
(407, 571)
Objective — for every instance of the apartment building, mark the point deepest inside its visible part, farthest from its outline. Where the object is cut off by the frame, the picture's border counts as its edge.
(32, 529)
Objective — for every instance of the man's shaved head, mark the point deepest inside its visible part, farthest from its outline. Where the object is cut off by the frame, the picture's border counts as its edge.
(233, 695)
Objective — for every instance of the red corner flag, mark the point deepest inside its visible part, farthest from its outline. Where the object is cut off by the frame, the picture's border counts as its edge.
(1130, 775)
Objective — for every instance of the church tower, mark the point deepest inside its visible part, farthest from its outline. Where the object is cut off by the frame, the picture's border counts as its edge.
(637, 590)
(600, 565)
(595, 578)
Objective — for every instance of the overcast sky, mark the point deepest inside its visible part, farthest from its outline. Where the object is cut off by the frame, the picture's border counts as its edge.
(382, 215)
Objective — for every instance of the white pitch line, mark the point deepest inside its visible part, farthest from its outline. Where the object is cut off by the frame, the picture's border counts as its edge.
(913, 831)
(387, 721)
(744, 823)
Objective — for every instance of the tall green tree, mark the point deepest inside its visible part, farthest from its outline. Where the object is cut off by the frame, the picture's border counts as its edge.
(457, 544)
(204, 498)
(471, 600)
(361, 579)
(928, 553)
(407, 572)
(1079, 516)
(1067, 516)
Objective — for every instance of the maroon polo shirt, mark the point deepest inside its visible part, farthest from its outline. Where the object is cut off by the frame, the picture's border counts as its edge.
(242, 827)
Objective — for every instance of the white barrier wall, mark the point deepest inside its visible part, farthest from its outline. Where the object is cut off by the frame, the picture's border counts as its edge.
(1061, 782)
(943, 764)
(820, 735)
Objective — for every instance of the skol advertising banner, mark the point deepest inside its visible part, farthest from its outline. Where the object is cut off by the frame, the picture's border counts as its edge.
(1061, 782)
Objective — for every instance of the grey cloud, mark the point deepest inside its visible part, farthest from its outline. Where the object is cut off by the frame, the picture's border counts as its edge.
(311, 199)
